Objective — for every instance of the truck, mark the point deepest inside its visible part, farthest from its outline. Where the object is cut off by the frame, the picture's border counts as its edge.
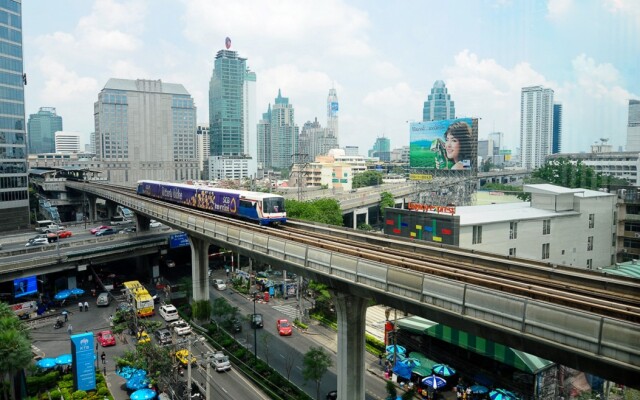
(219, 361)
(47, 226)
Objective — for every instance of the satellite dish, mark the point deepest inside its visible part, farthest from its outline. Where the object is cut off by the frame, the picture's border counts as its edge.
(227, 42)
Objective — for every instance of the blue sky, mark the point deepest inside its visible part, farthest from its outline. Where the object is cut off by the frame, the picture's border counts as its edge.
(382, 57)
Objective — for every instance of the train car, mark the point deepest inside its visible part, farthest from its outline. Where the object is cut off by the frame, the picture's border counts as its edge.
(264, 208)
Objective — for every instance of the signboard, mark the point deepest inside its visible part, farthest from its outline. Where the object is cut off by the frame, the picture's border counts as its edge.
(178, 240)
(450, 144)
(334, 108)
(421, 225)
(505, 152)
(84, 367)
(25, 286)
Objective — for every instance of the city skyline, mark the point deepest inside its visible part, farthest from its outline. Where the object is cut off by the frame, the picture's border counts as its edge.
(382, 60)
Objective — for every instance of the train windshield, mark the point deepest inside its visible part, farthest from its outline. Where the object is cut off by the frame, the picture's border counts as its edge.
(273, 205)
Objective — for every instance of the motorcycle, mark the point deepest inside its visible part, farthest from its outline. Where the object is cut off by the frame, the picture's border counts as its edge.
(59, 324)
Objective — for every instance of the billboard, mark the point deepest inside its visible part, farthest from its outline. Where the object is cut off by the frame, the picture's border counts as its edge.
(178, 240)
(334, 108)
(424, 222)
(450, 144)
(25, 286)
(84, 367)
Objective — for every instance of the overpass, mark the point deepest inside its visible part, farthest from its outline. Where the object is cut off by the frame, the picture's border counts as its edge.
(607, 347)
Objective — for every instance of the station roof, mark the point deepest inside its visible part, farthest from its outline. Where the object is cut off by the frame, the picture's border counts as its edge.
(629, 269)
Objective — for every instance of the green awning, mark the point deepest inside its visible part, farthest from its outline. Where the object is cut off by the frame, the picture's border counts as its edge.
(515, 358)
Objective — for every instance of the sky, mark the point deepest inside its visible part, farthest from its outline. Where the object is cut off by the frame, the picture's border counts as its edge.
(382, 57)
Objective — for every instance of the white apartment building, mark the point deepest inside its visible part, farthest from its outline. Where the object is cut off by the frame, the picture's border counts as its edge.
(67, 142)
(536, 125)
(622, 164)
(570, 227)
(229, 167)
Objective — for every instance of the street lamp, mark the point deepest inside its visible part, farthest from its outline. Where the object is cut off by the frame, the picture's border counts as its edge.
(255, 330)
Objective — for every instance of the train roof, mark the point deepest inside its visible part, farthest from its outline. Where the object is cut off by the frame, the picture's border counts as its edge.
(241, 193)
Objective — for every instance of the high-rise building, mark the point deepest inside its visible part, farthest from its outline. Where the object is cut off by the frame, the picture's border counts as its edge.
(333, 107)
(202, 148)
(556, 147)
(41, 128)
(14, 197)
(633, 127)
(536, 126)
(67, 142)
(146, 129)
(381, 149)
(351, 150)
(277, 135)
(314, 140)
(439, 104)
(232, 121)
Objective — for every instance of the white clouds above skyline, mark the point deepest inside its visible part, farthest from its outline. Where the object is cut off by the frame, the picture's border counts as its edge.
(382, 59)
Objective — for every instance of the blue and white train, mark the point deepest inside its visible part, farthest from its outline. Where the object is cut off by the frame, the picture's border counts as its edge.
(264, 208)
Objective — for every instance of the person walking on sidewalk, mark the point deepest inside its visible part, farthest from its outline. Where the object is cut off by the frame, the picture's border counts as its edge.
(86, 306)
(80, 306)
(103, 357)
(69, 329)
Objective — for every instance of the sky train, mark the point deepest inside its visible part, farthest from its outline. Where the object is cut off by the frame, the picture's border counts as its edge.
(264, 208)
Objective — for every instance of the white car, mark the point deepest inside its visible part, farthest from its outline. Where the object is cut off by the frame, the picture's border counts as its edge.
(219, 361)
(154, 224)
(180, 327)
(219, 284)
(169, 312)
(37, 242)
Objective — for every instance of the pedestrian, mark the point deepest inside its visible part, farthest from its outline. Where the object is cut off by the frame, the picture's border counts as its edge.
(103, 357)
(80, 306)
(66, 315)
(69, 329)
(86, 306)
(380, 359)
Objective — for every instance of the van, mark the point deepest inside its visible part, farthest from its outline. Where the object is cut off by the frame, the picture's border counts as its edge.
(169, 312)
(103, 299)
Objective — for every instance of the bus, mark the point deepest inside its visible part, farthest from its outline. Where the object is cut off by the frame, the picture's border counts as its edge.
(140, 298)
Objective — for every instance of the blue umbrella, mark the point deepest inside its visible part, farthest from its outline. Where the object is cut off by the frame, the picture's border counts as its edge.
(63, 294)
(143, 394)
(434, 381)
(63, 359)
(137, 383)
(411, 362)
(478, 389)
(502, 394)
(443, 370)
(77, 291)
(398, 357)
(46, 363)
(394, 348)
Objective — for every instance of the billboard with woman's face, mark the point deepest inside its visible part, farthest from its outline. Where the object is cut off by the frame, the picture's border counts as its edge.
(450, 144)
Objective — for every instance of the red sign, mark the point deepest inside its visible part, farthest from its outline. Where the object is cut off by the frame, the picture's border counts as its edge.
(431, 208)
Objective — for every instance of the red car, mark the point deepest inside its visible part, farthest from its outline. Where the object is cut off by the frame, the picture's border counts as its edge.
(284, 327)
(64, 234)
(101, 227)
(106, 338)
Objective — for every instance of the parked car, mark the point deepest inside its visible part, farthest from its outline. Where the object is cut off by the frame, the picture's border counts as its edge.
(219, 284)
(99, 228)
(163, 336)
(37, 242)
(236, 326)
(143, 337)
(183, 357)
(219, 361)
(64, 233)
(106, 338)
(256, 321)
(168, 312)
(108, 231)
(284, 327)
(103, 299)
(181, 327)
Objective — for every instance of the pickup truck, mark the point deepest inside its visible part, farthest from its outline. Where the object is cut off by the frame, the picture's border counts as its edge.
(219, 361)
(50, 228)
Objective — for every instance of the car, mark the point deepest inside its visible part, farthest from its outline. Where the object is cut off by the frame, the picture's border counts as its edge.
(37, 242)
(131, 229)
(154, 224)
(169, 312)
(256, 321)
(163, 336)
(183, 357)
(108, 231)
(99, 228)
(64, 233)
(219, 361)
(180, 327)
(103, 299)
(332, 395)
(284, 327)
(154, 295)
(106, 338)
(236, 326)
(170, 263)
(219, 284)
(143, 337)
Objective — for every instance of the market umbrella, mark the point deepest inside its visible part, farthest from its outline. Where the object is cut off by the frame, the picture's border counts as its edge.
(434, 381)
(411, 362)
(77, 292)
(399, 357)
(63, 294)
(502, 394)
(478, 389)
(63, 359)
(46, 363)
(443, 370)
(137, 383)
(394, 348)
(143, 394)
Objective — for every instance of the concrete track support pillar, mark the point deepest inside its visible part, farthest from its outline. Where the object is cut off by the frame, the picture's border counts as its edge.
(91, 201)
(351, 311)
(111, 208)
(200, 268)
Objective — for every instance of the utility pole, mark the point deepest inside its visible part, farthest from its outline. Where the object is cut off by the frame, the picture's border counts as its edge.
(255, 330)
(299, 159)
(189, 356)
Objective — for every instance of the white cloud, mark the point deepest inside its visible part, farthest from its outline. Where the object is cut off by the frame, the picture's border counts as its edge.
(557, 9)
(624, 7)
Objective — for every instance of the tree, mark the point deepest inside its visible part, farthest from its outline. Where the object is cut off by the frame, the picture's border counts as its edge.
(15, 348)
(201, 310)
(221, 308)
(315, 364)
(326, 211)
(386, 200)
(366, 178)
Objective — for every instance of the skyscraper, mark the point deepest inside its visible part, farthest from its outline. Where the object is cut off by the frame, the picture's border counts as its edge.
(42, 127)
(314, 140)
(232, 121)
(536, 126)
(439, 104)
(67, 142)
(202, 148)
(333, 107)
(633, 127)
(557, 129)
(14, 198)
(146, 129)
(277, 135)
(381, 149)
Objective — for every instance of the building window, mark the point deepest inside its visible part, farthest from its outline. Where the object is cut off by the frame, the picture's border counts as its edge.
(589, 263)
(512, 252)
(477, 234)
(545, 251)
(592, 219)
(546, 226)
(614, 239)
(513, 230)
(615, 217)
(590, 243)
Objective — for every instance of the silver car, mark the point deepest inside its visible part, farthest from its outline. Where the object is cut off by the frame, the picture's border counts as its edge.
(103, 299)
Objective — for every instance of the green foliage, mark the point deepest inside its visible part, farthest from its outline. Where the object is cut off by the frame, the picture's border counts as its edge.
(221, 309)
(365, 227)
(386, 200)
(300, 324)
(79, 395)
(201, 310)
(315, 364)
(326, 211)
(15, 347)
(392, 391)
(367, 178)
(39, 383)
(374, 345)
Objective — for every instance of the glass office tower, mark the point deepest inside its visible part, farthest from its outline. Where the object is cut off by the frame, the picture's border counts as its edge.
(14, 199)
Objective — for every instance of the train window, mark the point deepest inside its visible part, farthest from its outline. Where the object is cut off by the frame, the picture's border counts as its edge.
(273, 205)
(247, 204)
